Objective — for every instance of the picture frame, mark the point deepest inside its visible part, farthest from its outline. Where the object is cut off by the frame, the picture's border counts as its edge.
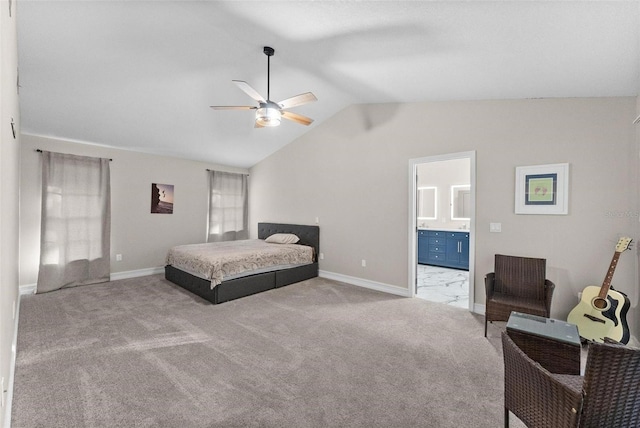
(161, 198)
(542, 189)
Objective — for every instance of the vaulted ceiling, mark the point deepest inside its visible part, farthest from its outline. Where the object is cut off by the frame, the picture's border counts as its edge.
(141, 75)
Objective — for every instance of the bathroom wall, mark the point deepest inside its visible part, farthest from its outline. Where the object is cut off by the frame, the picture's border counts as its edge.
(443, 175)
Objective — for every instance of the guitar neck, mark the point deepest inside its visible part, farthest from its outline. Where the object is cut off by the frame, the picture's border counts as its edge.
(606, 284)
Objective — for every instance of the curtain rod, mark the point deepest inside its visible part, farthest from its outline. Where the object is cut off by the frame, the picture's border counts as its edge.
(227, 171)
(40, 151)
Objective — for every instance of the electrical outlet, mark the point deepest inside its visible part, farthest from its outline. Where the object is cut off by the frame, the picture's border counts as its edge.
(364, 263)
(118, 257)
(321, 256)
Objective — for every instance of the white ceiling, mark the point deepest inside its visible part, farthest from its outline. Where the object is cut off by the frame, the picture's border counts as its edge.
(141, 75)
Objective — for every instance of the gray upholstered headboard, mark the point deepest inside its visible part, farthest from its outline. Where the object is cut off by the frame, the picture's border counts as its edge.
(309, 235)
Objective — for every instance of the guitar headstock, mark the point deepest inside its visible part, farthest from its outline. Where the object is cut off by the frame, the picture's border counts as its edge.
(623, 244)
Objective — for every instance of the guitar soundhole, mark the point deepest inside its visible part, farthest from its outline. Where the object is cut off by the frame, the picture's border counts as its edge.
(600, 304)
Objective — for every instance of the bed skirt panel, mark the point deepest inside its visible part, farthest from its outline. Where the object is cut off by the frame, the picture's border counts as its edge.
(240, 287)
(297, 274)
(245, 286)
(197, 286)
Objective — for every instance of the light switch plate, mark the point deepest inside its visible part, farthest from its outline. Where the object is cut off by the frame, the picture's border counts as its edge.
(495, 227)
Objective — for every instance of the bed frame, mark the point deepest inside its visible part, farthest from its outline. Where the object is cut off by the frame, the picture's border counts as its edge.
(245, 286)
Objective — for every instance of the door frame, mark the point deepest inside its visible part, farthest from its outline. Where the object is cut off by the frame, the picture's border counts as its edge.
(413, 225)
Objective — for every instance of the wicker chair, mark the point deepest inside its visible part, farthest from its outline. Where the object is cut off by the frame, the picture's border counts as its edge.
(518, 284)
(608, 396)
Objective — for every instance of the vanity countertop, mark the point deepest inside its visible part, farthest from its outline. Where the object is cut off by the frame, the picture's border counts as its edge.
(444, 229)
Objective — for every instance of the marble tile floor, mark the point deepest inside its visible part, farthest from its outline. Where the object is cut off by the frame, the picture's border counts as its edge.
(443, 285)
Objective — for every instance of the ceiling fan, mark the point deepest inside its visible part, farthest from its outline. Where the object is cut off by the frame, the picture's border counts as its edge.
(269, 113)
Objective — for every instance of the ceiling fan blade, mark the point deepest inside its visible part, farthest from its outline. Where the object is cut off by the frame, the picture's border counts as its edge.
(233, 107)
(298, 118)
(298, 100)
(249, 91)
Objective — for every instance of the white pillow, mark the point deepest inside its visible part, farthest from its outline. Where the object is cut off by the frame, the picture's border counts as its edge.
(282, 238)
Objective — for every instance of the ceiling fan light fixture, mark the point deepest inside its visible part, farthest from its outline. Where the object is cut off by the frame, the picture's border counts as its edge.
(268, 116)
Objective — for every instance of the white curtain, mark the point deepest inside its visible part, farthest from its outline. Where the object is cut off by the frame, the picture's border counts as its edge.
(76, 221)
(228, 207)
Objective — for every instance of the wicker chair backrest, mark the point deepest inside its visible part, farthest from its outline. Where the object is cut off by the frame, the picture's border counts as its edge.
(520, 276)
(611, 387)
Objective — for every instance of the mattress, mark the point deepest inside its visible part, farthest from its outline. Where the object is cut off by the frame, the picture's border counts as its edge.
(220, 261)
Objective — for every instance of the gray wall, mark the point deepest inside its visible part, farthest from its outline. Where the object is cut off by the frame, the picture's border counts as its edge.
(9, 176)
(351, 172)
(141, 237)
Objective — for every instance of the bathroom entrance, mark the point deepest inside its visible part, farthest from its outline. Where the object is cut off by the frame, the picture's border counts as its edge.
(442, 207)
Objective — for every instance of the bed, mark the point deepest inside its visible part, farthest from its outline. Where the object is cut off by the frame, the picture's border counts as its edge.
(218, 290)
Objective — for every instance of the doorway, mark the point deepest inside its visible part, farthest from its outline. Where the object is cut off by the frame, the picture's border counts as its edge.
(441, 228)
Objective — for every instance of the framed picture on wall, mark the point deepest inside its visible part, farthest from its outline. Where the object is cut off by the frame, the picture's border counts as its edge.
(542, 189)
(161, 198)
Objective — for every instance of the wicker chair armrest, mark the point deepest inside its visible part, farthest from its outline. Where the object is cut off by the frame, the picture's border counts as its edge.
(537, 397)
(549, 286)
(489, 281)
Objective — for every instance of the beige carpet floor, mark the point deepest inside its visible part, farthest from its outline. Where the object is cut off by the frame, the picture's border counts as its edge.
(144, 353)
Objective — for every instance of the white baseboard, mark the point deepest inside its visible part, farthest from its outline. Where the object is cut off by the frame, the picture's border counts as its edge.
(373, 285)
(31, 288)
(136, 273)
(479, 308)
(27, 289)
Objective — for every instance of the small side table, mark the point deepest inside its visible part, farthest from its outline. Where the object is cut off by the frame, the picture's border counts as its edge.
(554, 344)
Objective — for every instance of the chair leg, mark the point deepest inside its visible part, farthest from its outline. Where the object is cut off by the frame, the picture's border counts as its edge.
(506, 418)
(485, 326)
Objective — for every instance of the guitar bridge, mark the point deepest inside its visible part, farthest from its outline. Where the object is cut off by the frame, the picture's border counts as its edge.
(595, 319)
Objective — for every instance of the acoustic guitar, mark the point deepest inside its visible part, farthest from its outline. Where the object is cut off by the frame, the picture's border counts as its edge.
(602, 311)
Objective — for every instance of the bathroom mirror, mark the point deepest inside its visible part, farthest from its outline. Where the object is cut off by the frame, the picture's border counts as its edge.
(427, 203)
(460, 202)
